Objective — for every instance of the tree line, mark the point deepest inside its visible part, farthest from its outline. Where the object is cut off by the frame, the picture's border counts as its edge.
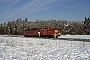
(16, 27)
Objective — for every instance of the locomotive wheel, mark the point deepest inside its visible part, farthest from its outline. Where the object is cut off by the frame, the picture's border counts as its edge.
(56, 36)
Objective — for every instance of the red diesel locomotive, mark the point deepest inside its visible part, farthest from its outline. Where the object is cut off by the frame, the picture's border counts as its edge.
(39, 32)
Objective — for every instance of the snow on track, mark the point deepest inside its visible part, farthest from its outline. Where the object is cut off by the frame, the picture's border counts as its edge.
(75, 36)
(19, 48)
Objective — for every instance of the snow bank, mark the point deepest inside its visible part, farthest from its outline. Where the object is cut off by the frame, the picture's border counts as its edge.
(76, 36)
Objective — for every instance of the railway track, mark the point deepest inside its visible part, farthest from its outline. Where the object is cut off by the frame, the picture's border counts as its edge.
(69, 39)
(73, 39)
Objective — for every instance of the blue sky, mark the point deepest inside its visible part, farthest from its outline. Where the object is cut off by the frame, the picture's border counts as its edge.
(71, 10)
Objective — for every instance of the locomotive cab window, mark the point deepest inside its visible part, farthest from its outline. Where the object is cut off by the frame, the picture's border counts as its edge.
(38, 30)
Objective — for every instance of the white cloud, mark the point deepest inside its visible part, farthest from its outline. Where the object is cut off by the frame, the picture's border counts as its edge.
(76, 6)
(33, 6)
(8, 6)
(5, 0)
(63, 2)
(11, 2)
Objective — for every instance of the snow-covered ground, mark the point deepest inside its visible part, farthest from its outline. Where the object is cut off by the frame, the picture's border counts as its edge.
(23, 48)
(76, 36)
